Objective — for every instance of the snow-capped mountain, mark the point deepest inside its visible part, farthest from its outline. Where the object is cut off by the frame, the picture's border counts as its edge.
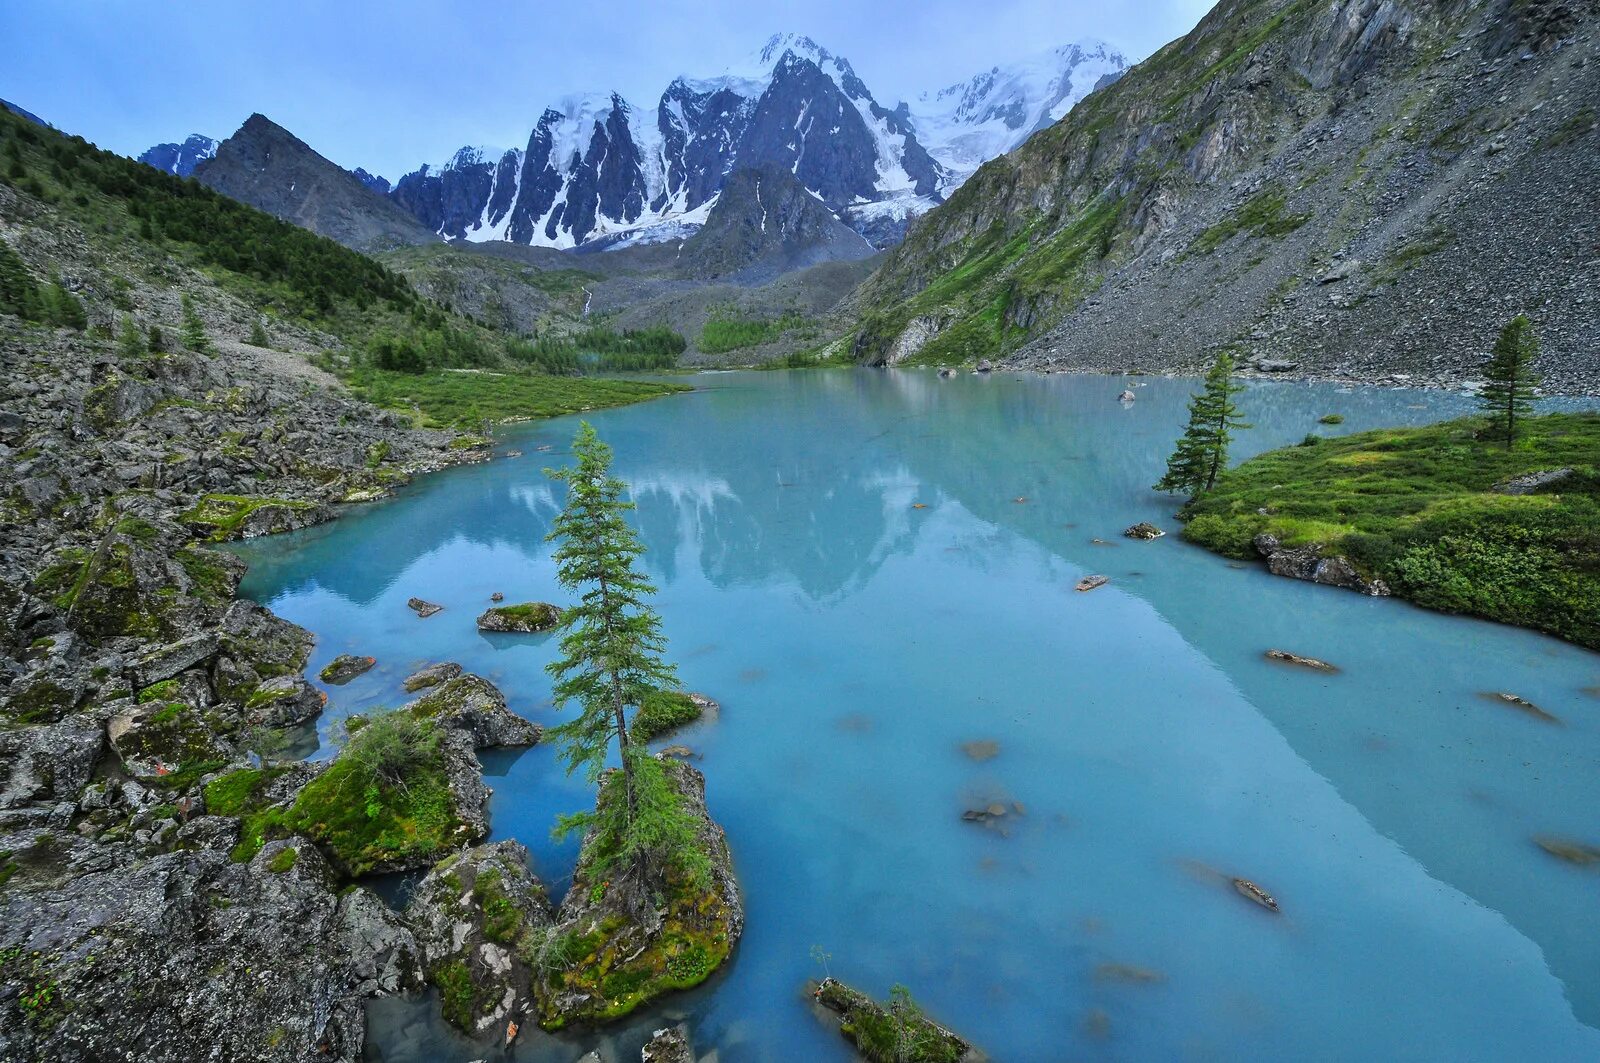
(598, 170)
(180, 159)
(967, 124)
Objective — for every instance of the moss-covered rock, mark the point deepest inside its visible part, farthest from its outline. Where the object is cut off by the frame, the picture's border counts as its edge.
(528, 618)
(897, 1033)
(609, 953)
(160, 739)
(667, 710)
(475, 705)
(482, 922)
(220, 518)
(345, 667)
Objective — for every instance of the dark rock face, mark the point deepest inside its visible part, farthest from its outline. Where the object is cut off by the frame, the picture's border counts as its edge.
(765, 223)
(188, 949)
(700, 131)
(266, 166)
(480, 918)
(806, 123)
(378, 184)
(453, 197)
(1308, 563)
(180, 159)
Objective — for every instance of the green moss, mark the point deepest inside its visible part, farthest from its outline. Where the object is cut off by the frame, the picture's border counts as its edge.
(165, 690)
(459, 998)
(284, 860)
(898, 1033)
(42, 701)
(1416, 508)
(663, 711)
(238, 792)
(1265, 215)
(1331, 418)
(222, 517)
(468, 399)
(213, 581)
(502, 921)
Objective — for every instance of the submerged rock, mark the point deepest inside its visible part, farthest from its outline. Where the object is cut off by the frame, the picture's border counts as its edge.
(981, 749)
(1305, 662)
(670, 1045)
(481, 921)
(1523, 705)
(1579, 853)
(346, 667)
(422, 607)
(529, 618)
(1128, 973)
(1251, 892)
(629, 941)
(874, 1029)
(1308, 563)
(1144, 530)
(946, 373)
(430, 676)
(1126, 396)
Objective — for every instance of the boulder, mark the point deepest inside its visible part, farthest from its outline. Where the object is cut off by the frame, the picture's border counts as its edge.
(346, 667)
(482, 923)
(670, 1045)
(474, 705)
(1533, 482)
(284, 701)
(49, 763)
(946, 373)
(984, 366)
(422, 607)
(529, 618)
(1143, 530)
(431, 676)
(1308, 563)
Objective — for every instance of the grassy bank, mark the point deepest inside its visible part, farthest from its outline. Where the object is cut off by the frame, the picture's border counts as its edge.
(467, 399)
(1417, 507)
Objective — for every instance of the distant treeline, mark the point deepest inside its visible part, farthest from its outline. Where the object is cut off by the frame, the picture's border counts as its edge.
(603, 349)
(725, 332)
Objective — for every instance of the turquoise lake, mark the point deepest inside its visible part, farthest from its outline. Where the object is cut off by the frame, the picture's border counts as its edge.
(856, 643)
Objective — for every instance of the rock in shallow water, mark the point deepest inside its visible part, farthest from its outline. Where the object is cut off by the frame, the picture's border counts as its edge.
(422, 607)
(346, 667)
(1308, 563)
(1144, 530)
(1294, 658)
(529, 618)
(431, 676)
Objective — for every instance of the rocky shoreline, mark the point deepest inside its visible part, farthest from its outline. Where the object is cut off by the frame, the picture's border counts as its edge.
(133, 684)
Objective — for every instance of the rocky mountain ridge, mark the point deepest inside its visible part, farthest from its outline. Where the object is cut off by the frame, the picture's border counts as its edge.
(180, 159)
(597, 167)
(1349, 189)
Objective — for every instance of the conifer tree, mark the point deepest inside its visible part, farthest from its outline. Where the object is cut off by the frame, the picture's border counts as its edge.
(192, 332)
(1202, 450)
(130, 342)
(19, 294)
(62, 308)
(611, 659)
(258, 334)
(1508, 393)
(155, 340)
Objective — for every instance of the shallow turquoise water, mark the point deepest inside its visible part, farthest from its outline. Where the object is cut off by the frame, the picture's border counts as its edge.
(856, 642)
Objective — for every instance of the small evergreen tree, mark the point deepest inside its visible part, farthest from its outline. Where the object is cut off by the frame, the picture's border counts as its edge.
(192, 332)
(62, 308)
(611, 659)
(155, 340)
(130, 343)
(1202, 450)
(1508, 393)
(258, 334)
(19, 294)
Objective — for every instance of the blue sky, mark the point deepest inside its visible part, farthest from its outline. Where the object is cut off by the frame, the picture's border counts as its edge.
(390, 85)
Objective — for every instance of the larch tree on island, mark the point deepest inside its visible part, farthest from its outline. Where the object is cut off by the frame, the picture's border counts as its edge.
(611, 661)
(1202, 450)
